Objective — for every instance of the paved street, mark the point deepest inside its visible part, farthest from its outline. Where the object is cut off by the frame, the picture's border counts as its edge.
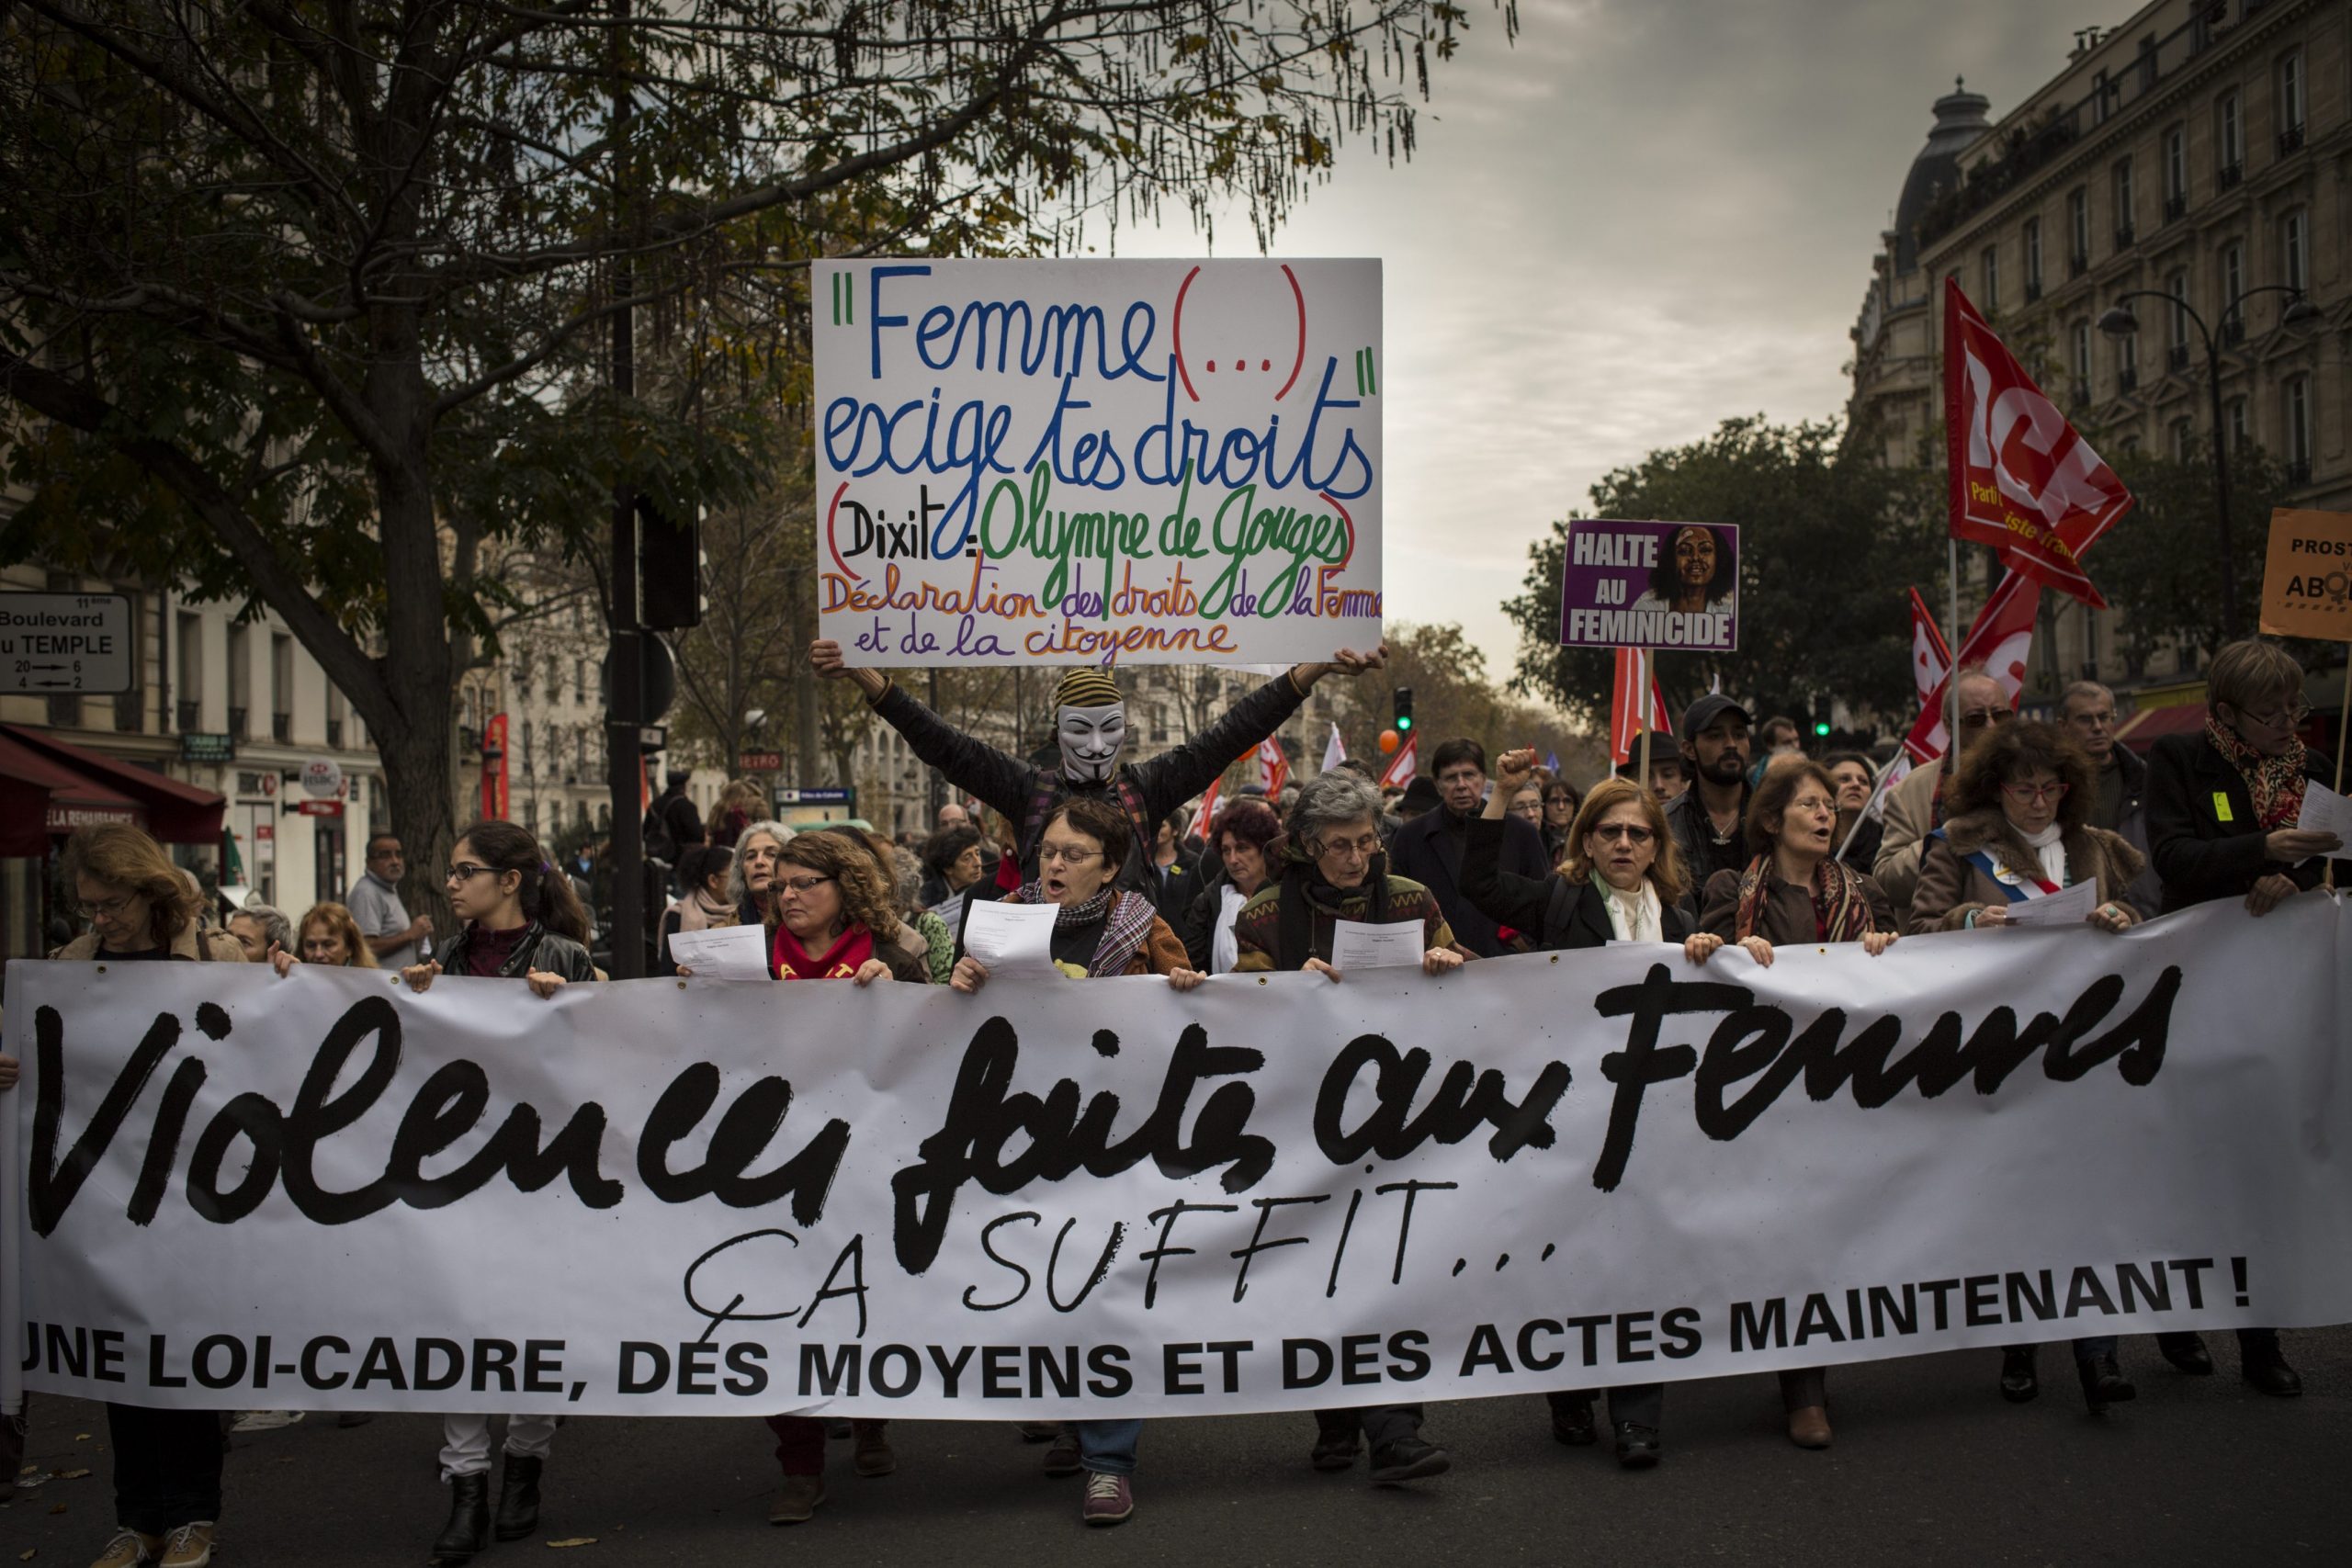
(1930, 1467)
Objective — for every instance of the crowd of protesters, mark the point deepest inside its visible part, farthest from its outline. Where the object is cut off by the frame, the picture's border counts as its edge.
(1733, 839)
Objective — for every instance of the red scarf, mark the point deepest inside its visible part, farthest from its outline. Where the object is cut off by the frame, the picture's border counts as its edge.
(790, 961)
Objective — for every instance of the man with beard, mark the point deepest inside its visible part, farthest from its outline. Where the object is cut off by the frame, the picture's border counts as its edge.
(1090, 731)
(1706, 818)
(1428, 849)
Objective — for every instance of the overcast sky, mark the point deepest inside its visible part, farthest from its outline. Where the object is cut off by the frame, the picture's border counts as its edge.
(1642, 217)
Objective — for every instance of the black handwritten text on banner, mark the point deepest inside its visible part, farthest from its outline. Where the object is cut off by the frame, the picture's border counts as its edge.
(1086, 1198)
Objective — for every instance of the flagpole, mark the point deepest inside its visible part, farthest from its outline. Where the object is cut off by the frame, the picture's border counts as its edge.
(1641, 700)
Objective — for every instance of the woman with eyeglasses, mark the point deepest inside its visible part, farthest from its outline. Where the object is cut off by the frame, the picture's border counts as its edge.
(2018, 830)
(1332, 868)
(1099, 931)
(521, 922)
(1621, 880)
(1561, 802)
(166, 1463)
(1793, 892)
(2222, 810)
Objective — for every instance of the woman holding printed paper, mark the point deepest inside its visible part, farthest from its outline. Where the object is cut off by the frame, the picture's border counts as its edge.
(522, 922)
(1620, 881)
(1793, 893)
(1098, 931)
(1332, 870)
(2223, 806)
(2018, 833)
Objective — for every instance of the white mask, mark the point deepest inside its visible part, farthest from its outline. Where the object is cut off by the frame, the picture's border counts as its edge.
(1091, 740)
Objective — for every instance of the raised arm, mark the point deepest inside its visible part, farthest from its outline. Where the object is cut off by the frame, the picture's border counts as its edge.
(1505, 898)
(973, 766)
(1174, 777)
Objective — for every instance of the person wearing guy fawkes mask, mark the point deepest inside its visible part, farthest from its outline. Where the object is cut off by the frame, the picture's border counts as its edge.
(1091, 730)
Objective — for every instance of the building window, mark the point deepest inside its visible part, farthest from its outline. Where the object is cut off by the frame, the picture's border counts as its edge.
(2032, 259)
(241, 681)
(2177, 321)
(2234, 415)
(189, 673)
(2230, 144)
(2295, 246)
(281, 689)
(2102, 99)
(2291, 102)
(2183, 440)
(2176, 172)
(522, 678)
(2078, 230)
(1992, 264)
(2233, 287)
(2082, 362)
(580, 680)
(2298, 410)
(2127, 361)
(2125, 210)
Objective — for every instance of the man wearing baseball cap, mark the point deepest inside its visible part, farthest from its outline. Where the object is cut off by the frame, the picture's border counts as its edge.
(1707, 818)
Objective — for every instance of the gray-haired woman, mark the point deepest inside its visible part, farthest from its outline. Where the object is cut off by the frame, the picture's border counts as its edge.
(259, 928)
(752, 878)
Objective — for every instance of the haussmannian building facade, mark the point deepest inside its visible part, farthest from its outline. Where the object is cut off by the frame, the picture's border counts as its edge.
(2199, 149)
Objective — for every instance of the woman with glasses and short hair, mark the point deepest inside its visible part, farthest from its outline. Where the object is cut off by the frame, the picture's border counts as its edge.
(2222, 810)
(1332, 868)
(522, 921)
(1561, 802)
(1620, 880)
(2019, 830)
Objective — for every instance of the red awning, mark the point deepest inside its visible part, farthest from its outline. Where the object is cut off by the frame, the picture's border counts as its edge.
(176, 813)
(40, 797)
(2144, 728)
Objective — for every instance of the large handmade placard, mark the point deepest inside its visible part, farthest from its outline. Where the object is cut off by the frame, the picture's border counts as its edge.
(1059, 462)
(1087, 1197)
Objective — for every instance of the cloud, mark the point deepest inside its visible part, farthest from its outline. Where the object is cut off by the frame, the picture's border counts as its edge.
(1640, 220)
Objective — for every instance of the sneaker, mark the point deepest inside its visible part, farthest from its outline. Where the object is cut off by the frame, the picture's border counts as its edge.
(190, 1546)
(1335, 1446)
(796, 1499)
(1062, 1458)
(874, 1455)
(1109, 1499)
(128, 1550)
(1407, 1458)
(264, 1420)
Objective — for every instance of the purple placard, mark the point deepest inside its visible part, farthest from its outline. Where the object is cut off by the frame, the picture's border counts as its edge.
(1650, 585)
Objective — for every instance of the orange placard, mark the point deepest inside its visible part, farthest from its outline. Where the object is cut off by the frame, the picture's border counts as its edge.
(2307, 576)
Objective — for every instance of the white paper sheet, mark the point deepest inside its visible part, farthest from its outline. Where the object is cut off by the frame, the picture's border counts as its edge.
(1013, 942)
(1359, 944)
(728, 952)
(2324, 811)
(2067, 906)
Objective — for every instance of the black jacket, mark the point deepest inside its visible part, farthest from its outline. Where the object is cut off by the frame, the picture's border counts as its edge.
(1551, 911)
(1165, 783)
(1694, 837)
(539, 949)
(2146, 891)
(2202, 835)
(1424, 852)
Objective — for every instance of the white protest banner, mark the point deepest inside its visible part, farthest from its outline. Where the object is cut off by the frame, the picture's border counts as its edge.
(1081, 1197)
(1059, 462)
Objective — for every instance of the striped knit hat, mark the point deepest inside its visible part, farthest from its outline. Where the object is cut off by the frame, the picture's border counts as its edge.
(1087, 687)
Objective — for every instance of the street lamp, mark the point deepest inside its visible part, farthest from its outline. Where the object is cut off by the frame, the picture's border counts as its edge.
(2119, 322)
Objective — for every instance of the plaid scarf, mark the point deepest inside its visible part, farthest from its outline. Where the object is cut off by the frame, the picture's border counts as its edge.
(1126, 920)
(2275, 782)
(1840, 912)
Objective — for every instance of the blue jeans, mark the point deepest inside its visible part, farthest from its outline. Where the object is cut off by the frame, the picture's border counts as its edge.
(1108, 1448)
(2093, 1346)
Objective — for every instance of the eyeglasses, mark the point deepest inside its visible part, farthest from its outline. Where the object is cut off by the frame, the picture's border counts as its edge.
(108, 909)
(1367, 845)
(1064, 857)
(1985, 718)
(2035, 792)
(800, 884)
(463, 871)
(1812, 802)
(1632, 832)
(2291, 718)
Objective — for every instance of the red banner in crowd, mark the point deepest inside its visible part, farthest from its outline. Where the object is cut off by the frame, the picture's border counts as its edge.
(2023, 480)
(2000, 640)
(1636, 672)
(1930, 656)
(1403, 765)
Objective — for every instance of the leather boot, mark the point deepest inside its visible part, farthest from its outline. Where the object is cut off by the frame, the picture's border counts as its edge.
(2018, 1381)
(518, 1497)
(2103, 1383)
(468, 1530)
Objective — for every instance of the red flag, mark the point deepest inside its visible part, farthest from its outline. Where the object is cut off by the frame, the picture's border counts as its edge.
(1930, 657)
(1273, 768)
(1402, 766)
(1207, 813)
(2023, 480)
(1633, 672)
(2000, 640)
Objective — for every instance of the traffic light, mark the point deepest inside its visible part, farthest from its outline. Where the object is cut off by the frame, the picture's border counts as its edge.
(1820, 719)
(1404, 725)
(668, 566)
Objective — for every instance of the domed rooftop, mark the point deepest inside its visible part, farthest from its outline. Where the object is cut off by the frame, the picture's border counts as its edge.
(1960, 120)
